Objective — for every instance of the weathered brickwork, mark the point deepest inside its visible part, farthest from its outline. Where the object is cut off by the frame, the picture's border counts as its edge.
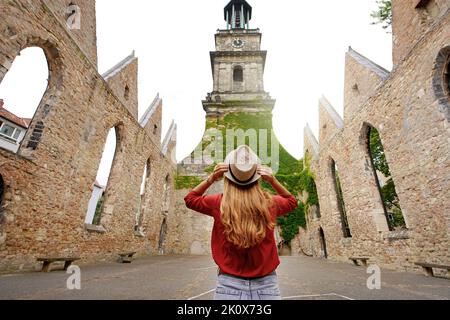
(409, 107)
(411, 21)
(48, 183)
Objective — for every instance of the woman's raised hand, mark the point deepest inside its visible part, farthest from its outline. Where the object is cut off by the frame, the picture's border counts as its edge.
(266, 173)
(218, 173)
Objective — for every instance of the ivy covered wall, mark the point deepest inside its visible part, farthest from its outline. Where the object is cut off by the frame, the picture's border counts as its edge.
(292, 173)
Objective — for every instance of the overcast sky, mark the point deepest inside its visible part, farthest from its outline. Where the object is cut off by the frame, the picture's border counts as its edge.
(306, 43)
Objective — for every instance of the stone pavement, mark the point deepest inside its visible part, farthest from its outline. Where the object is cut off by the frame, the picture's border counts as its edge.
(194, 277)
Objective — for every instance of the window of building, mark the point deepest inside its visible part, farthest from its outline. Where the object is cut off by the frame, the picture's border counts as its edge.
(166, 197)
(428, 8)
(340, 200)
(155, 129)
(29, 70)
(162, 237)
(384, 181)
(100, 189)
(126, 94)
(238, 74)
(323, 244)
(17, 134)
(447, 76)
(2, 190)
(142, 195)
(7, 130)
(2, 193)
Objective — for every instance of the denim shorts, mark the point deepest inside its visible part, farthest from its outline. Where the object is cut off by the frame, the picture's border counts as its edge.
(232, 288)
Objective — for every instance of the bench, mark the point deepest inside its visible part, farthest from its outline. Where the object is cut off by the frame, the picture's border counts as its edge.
(362, 259)
(126, 257)
(48, 261)
(428, 267)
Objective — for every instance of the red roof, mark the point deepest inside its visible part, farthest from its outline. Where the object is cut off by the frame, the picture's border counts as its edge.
(23, 122)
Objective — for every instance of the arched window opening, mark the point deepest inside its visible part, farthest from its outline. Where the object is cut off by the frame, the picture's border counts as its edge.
(323, 244)
(155, 129)
(30, 70)
(100, 187)
(166, 197)
(142, 196)
(2, 193)
(429, 8)
(238, 74)
(384, 181)
(340, 200)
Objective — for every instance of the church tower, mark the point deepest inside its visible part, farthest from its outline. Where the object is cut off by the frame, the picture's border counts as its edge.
(238, 65)
(238, 111)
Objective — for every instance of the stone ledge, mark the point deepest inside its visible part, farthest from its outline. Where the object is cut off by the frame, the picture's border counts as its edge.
(396, 235)
(94, 228)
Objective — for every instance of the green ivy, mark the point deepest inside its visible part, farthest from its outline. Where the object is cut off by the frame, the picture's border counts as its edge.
(187, 182)
(292, 173)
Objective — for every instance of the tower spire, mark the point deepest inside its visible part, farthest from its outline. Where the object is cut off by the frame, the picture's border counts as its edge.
(238, 14)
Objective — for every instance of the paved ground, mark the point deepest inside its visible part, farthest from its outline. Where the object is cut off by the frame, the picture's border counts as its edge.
(189, 277)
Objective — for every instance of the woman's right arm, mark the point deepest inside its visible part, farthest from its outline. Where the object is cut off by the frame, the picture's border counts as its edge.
(195, 200)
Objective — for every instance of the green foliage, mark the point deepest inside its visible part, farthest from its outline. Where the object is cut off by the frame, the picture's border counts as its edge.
(383, 15)
(186, 182)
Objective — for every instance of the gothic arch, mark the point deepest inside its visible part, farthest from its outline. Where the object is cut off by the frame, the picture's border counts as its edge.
(441, 80)
(51, 94)
(96, 205)
(323, 243)
(238, 73)
(166, 195)
(162, 237)
(337, 184)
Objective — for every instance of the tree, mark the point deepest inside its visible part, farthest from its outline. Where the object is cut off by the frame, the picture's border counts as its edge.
(388, 192)
(384, 13)
(377, 151)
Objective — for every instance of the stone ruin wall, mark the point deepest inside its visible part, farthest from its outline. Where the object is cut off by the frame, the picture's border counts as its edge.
(411, 110)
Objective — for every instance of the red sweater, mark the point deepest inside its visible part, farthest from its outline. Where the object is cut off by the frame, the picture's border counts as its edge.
(254, 262)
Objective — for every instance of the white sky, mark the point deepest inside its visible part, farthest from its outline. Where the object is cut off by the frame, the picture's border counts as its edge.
(306, 43)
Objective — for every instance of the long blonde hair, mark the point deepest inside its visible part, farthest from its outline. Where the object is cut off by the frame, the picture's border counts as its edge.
(246, 214)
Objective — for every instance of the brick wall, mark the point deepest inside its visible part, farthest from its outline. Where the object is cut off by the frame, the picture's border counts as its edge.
(48, 184)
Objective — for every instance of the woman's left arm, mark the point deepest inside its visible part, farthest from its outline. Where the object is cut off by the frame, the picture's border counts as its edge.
(218, 173)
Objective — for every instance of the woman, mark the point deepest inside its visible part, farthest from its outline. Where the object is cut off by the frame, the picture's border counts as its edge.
(243, 243)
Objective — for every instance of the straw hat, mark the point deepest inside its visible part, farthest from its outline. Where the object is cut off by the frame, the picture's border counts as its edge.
(243, 165)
